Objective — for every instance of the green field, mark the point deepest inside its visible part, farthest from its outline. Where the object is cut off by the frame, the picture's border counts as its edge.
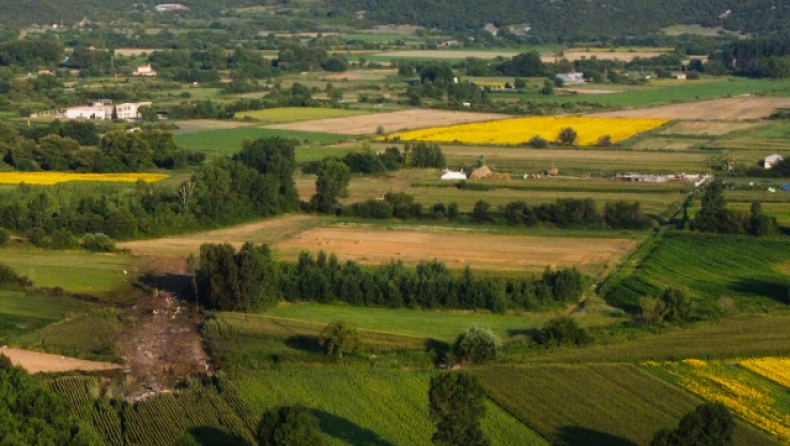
(75, 271)
(369, 407)
(607, 405)
(213, 415)
(425, 324)
(225, 142)
(283, 115)
(21, 312)
(752, 271)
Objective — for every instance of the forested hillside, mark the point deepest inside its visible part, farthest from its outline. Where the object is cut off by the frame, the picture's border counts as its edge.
(46, 12)
(577, 17)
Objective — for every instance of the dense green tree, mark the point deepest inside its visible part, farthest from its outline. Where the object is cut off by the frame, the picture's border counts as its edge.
(423, 154)
(338, 338)
(710, 424)
(289, 426)
(713, 215)
(34, 415)
(457, 404)
(562, 331)
(330, 186)
(274, 157)
(675, 306)
(476, 345)
(567, 136)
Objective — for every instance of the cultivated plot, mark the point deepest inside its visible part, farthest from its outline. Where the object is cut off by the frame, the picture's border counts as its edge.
(460, 248)
(733, 109)
(35, 362)
(395, 121)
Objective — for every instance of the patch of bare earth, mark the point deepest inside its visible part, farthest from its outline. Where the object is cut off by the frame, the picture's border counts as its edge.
(728, 109)
(161, 344)
(266, 231)
(459, 249)
(197, 125)
(391, 122)
(134, 52)
(35, 362)
(711, 128)
(625, 56)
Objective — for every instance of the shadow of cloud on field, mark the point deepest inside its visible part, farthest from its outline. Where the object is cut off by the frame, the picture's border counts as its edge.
(212, 436)
(529, 333)
(771, 289)
(582, 436)
(347, 431)
(305, 343)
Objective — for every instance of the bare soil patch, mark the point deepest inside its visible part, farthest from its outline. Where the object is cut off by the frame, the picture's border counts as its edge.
(712, 128)
(459, 249)
(133, 52)
(267, 231)
(625, 56)
(729, 109)
(584, 91)
(392, 122)
(359, 75)
(35, 362)
(449, 54)
(197, 125)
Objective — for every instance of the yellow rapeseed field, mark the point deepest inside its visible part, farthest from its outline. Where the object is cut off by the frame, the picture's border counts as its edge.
(775, 369)
(520, 130)
(50, 178)
(733, 387)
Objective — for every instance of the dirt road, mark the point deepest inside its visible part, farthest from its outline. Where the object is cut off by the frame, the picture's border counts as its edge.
(35, 362)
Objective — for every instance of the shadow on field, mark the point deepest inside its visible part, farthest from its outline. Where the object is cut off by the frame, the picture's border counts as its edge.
(178, 284)
(305, 343)
(211, 436)
(582, 436)
(777, 291)
(346, 431)
(529, 333)
(438, 349)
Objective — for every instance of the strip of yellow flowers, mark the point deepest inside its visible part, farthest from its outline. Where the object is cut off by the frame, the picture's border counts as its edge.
(50, 178)
(520, 130)
(747, 400)
(775, 369)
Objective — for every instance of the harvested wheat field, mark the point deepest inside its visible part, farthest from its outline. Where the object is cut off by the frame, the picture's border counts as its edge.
(391, 122)
(706, 128)
(625, 56)
(266, 231)
(459, 249)
(733, 109)
(35, 362)
(134, 52)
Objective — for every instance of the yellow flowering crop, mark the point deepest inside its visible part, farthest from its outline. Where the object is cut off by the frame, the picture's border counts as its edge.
(733, 387)
(775, 369)
(520, 130)
(49, 178)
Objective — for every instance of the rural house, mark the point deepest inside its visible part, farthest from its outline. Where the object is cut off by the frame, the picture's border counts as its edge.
(573, 77)
(451, 175)
(144, 70)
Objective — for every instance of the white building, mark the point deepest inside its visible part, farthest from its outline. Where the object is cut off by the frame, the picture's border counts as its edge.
(95, 111)
(574, 77)
(144, 70)
(771, 160)
(450, 175)
(130, 110)
(165, 7)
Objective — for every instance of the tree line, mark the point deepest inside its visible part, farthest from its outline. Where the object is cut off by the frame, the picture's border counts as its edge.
(61, 147)
(256, 182)
(714, 216)
(251, 279)
(563, 213)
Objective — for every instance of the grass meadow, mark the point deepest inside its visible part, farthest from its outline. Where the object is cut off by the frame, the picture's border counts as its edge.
(75, 271)
(21, 312)
(282, 115)
(225, 142)
(607, 405)
(440, 325)
(370, 406)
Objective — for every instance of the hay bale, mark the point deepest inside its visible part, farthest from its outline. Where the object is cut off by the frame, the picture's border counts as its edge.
(553, 172)
(480, 173)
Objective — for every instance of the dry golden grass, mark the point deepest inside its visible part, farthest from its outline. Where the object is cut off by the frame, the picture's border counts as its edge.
(459, 248)
(706, 128)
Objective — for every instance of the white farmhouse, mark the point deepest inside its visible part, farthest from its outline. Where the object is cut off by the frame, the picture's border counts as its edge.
(573, 77)
(130, 110)
(144, 70)
(95, 111)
